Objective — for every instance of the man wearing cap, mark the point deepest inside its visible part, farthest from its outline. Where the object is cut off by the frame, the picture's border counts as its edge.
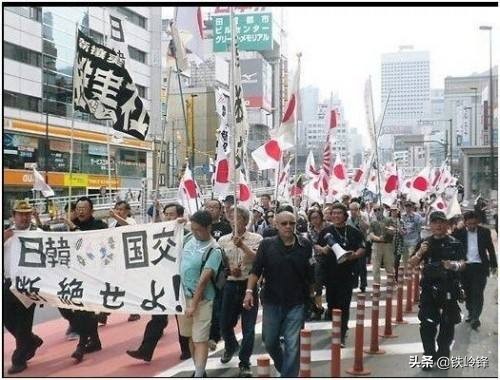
(257, 220)
(443, 257)
(18, 319)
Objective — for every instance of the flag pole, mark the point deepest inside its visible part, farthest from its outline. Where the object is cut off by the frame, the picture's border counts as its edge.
(299, 55)
(233, 117)
(72, 124)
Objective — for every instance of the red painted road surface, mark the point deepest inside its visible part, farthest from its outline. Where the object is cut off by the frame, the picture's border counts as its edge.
(53, 357)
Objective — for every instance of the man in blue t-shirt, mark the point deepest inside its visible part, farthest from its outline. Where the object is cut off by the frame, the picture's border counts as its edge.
(198, 287)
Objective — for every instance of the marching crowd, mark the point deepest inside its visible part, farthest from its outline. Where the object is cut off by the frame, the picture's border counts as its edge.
(283, 258)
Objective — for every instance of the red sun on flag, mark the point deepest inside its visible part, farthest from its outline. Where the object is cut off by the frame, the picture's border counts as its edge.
(338, 170)
(244, 192)
(190, 187)
(273, 150)
(290, 109)
(223, 171)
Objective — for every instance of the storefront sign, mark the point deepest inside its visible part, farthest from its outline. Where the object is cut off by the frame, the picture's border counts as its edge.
(98, 181)
(76, 180)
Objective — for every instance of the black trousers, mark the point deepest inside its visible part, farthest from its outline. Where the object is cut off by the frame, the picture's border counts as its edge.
(474, 279)
(215, 333)
(338, 296)
(432, 316)
(18, 320)
(85, 325)
(362, 272)
(153, 332)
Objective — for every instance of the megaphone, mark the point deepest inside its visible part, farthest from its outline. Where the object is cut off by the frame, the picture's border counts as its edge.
(340, 253)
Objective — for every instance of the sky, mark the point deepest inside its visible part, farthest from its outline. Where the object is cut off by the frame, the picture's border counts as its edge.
(342, 46)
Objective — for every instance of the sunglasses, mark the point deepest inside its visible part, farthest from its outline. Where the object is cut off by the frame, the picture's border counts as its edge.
(288, 223)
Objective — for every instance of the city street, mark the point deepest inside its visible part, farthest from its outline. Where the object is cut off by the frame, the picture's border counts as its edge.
(52, 359)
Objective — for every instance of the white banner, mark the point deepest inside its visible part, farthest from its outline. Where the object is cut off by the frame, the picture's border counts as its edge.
(131, 269)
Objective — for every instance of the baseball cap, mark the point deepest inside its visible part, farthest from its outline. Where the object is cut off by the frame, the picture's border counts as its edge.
(258, 209)
(437, 215)
(22, 206)
(229, 199)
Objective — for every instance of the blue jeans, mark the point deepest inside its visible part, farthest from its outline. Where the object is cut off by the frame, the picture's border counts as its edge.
(286, 322)
(232, 300)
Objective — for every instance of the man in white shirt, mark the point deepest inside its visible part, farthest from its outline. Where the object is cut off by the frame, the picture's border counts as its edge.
(240, 249)
(481, 258)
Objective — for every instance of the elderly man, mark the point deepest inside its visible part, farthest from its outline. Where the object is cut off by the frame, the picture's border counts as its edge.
(284, 261)
(18, 319)
(85, 322)
(240, 248)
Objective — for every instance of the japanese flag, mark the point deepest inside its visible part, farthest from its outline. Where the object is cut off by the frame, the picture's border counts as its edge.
(390, 185)
(358, 179)
(40, 185)
(189, 192)
(440, 204)
(338, 178)
(220, 178)
(245, 196)
(268, 156)
(420, 185)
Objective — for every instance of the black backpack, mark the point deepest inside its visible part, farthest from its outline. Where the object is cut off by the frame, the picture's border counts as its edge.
(220, 277)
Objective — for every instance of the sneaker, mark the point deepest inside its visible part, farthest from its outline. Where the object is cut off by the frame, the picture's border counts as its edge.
(228, 355)
(212, 345)
(134, 317)
(245, 371)
(138, 354)
(342, 342)
(37, 342)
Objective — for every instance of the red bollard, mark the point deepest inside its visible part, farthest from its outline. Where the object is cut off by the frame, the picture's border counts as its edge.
(357, 368)
(416, 286)
(409, 291)
(305, 353)
(263, 366)
(388, 309)
(336, 334)
(399, 305)
(374, 348)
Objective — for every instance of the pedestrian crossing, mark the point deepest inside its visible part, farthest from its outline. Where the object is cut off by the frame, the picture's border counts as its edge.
(321, 333)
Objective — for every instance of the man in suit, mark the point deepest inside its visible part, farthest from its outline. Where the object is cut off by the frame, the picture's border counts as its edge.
(480, 259)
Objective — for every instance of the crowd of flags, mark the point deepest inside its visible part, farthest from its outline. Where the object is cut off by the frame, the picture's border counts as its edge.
(104, 88)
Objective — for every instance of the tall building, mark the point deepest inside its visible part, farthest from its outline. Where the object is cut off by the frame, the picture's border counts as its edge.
(466, 104)
(406, 76)
(39, 53)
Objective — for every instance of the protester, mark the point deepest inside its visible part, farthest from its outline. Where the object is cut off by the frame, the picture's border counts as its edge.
(240, 249)
(443, 257)
(316, 225)
(340, 279)
(85, 322)
(284, 263)
(411, 226)
(198, 287)
(219, 227)
(265, 202)
(359, 220)
(481, 259)
(257, 219)
(17, 318)
(381, 233)
(154, 329)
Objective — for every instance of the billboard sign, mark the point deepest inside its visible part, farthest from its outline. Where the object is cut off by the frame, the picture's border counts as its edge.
(256, 75)
(254, 32)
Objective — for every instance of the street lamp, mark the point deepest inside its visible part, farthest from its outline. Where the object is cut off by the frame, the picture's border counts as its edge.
(492, 160)
(475, 89)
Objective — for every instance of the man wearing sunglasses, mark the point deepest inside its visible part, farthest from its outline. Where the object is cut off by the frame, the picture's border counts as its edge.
(284, 262)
